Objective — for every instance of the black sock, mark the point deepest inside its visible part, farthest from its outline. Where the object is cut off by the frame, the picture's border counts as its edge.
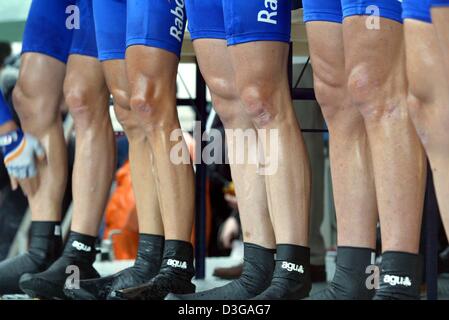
(45, 248)
(149, 255)
(76, 263)
(349, 282)
(291, 277)
(258, 265)
(146, 266)
(174, 276)
(81, 247)
(178, 259)
(400, 276)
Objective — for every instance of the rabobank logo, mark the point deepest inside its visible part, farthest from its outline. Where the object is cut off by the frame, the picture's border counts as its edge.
(177, 29)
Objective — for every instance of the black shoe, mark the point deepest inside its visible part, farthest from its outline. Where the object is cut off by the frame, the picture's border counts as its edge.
(45, 248)
(156, 289)
(75, 264)
(349, 282)
(291, 276)
(258, 265)
(174, 276)
(400, 276)
(147, 265)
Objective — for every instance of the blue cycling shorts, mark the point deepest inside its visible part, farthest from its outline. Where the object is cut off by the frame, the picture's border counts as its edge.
(240, 21)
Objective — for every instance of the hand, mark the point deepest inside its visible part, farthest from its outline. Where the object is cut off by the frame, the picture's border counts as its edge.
(21, 160)
(229, 232)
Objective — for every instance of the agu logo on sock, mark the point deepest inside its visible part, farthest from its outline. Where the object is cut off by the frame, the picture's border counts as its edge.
(177, 264)
(81, 246)
(292, 267)
(397, 280)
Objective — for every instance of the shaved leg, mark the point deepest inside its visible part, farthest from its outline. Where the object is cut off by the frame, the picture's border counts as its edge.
(152, 75)
(37, 99)
(428, 103)
(262, 84)
(144, 184)
(377, 86)
(152, 86)
(151, 231)
(87, 97)
(440, 19)
(352, 173)
(216, 67)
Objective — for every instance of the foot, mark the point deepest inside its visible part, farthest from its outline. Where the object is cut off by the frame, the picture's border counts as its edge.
(45, 248)
(258, 265)
(175, 275)
(349, 282)
(156, 289)
(291, 276)
(146, 266)
(74, 265)
(400, 276)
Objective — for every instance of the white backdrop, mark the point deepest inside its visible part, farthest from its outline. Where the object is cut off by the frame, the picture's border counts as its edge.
(13, 14)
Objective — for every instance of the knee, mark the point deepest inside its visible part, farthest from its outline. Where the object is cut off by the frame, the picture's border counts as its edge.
(120, 97)
(330, 95)
(79, 101)
(258, 103)
(420, 93)
(415, 105)
(224, 97)
(417, 113)
(36, 115)
(147, 109)
(150, 106)
(124, 114)
(20, 98)
(367, 94)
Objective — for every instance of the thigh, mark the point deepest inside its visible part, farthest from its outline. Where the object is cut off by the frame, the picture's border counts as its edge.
(428, 83)
(157, 24)
(85, 80)
(427, 78)
(323, 20)
(440, 19)
(116, 78)
(261, 64)
(216, 67)
(423, 55)
(367, 48)
(40, 79)
(46, 31)
(327, 50)
(206, 25)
